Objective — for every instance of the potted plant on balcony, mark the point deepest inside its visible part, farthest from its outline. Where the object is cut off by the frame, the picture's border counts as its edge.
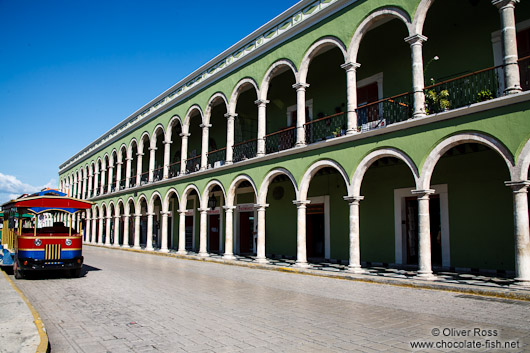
(436, 102)
(484, 95)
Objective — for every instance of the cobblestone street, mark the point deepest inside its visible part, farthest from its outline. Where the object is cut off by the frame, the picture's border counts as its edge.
(133, 302)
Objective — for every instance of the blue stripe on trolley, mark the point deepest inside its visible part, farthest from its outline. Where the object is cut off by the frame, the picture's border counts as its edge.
(39, 255)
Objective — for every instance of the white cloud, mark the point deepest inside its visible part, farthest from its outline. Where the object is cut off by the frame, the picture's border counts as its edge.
(11, 187)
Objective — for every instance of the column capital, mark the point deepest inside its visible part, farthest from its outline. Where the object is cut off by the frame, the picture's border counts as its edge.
(165, 213)
(350, 66)
(137, 215)
(167, 142)
(126, 215)
(205, 126)
(103, 169)
(181, 212)
(301, 203)
(184, 134)
(261, 206)
(152, 148)
(261, 102)
(203, 210)
(423, 193)
(231, 115)
(150, 214)
(129, 158)
(518, 186)
(140, 154)
(118, 216)
(416, 39)
(119, 163)
(353, 199)
(300, 86)
(229, 208)
(500, 4)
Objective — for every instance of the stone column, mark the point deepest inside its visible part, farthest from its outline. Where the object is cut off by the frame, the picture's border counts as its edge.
(424, 234)
(139, 160)
(418, 83)
(300, 112)
(90, 186)
(118, 174)
(182, 232)
(163, 224)
(94, 230)
(103, 173)
(230, 128)
(100, 235)
(355, 248)
(128, 172)
(74, 188)
(149, 245)
(125, 230)
(107, 231)
(111, 175)
(261, 257)
(351, 89)
(521, 230)
(167, 158)
(509, 44)
(301, 247)
(96, 182)
(88, 230)
(184, 151)
(203, 232)
(229, 232)
(152, 157)
(262, 125)
(85, 181)
(137, 231)
(204, 145)
(116, 231)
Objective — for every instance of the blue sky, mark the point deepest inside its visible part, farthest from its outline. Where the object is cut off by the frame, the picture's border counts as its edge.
(72, 69)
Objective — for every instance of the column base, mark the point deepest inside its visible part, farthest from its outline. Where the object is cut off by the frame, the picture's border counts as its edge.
(302, 264)
(182, 252)
(300, 144)
(512, 90)
(356, 269)
(137, 248)
(351, 132)
(150, 248)
(164, 250)
(522, 281)
(419, 115)
(229, 257)
(203, 254)
(428, 276)
(262, 261)
(125, 246)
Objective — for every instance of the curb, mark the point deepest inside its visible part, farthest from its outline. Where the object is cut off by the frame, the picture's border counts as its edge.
(44, 342)
(501, 293)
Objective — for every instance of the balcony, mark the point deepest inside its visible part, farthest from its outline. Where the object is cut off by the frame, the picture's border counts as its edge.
(245, 150)
(216, 158)
(280, 140)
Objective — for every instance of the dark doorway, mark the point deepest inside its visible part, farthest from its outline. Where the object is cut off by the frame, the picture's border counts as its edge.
(213, 231)
(315, 230)
(411, 246)
(246, 229)
(189, 232)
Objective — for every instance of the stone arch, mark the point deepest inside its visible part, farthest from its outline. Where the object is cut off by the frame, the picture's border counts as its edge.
(127, 208)
(174, 120)
(145, 136)
(211, 184)
(151, 204)
(237, 90)
(264, 188)
(186, 193)
(119, 205)
(451, 141)
(138, 206)
(421, 15)
(169, 194)
(273, 69)
(110, 208)
(369, 21)
(208, 111)
(315, 49)
(313, 169)
(233, 186)
(130, 148)
(112, 160)
(190, 111)
(122, 147)
(370, 158)
(155, 133)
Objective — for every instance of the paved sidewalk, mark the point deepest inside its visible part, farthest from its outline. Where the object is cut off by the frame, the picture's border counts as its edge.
(18, 332)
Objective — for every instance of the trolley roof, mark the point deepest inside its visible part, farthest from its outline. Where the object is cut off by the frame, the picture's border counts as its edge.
(46, 201)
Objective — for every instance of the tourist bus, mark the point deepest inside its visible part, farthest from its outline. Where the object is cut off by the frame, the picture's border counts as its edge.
(30, 244)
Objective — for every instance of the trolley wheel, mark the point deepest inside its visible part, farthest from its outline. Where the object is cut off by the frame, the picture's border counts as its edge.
(76, 273)
(17, 272)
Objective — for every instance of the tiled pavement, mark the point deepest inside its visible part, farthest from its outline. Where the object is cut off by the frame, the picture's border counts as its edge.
(138, 302)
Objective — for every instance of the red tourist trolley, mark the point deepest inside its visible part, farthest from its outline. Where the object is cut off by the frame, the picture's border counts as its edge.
(34, 239)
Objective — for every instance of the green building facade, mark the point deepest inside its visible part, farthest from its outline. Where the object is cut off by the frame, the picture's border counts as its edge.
(365, 132)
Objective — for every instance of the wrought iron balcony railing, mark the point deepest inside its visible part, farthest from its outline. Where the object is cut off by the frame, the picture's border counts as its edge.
(385, 112)
(132, 181)
(325, 128)
(280, 140)
(245, 150)
(158, 174)
(216, 158)
(174, 169)
(121, 184)
(144, 178)
(193, 164)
